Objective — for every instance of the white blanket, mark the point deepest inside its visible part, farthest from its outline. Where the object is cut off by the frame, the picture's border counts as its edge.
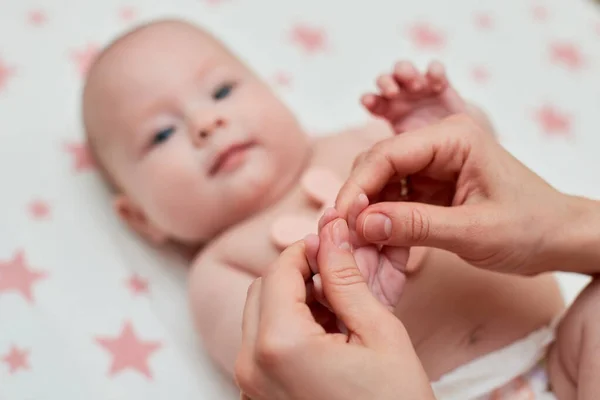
(89, 312)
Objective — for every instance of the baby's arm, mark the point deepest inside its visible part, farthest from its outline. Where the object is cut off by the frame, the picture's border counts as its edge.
(574, 363)
(217, 295)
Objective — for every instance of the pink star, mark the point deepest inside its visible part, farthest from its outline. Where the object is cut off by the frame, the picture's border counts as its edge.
(553, 121)
(567, 55)
(16, 359)
(539, 13)
(129, 352)
(84, 58)
(127, 14)
(598, 28)
(37, 17)
(5, 73)
(426, 37)
(137, 284)
(39, 209)
(282, 79)
(484, 21)
(82, 157)
(480, 74)
(16, 276)
(310, 39)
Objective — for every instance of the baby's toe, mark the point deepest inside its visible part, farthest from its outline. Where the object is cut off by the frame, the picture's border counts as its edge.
(436, 77)
(408, 77)
(388, 86)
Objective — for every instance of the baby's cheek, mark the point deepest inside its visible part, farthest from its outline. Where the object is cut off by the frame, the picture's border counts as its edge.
(176, 203)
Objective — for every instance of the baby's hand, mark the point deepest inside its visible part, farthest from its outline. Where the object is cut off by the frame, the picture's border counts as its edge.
(410, 100)
(383, 269)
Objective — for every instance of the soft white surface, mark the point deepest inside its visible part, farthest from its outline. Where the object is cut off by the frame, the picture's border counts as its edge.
(87, 254)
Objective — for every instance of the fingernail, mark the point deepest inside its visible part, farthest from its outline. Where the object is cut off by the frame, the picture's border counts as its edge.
(341, 235)
(363, 199)
(377, 227)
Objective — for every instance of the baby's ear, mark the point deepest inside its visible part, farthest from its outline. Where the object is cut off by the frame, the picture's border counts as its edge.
(137, 220)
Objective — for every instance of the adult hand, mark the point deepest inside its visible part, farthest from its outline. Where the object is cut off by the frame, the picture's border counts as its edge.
(466, 194)
(287, 354)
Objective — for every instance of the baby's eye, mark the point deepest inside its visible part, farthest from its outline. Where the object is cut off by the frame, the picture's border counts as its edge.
(223, 91)
(163, 135)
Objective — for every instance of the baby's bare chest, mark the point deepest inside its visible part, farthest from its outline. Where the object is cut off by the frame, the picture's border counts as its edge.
(254, 244)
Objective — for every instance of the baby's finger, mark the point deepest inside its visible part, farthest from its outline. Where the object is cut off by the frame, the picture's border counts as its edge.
(388, 86)
(318, 291)
(376, 105)
(311, 247)
(436, 77)
(361, 202)
(408, 77)
(329, 215)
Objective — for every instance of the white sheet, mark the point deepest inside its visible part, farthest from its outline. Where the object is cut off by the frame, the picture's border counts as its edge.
(506, 56)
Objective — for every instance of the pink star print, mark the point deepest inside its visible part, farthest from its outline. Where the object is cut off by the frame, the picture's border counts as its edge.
(127, 14)
(129, 352)
(83, 58)
(37, 17)
(16, 359)
(39, 209)
(480, 74)
(484, 21)
(5, 73)
(282, 79)
(553, 121)
(16, 276)
(539, 13)
(137, 284)
(567, 55)
(426, 37)
(310, 39)
(82, 157)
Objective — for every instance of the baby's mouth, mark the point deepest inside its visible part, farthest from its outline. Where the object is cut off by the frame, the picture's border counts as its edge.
(230, 158)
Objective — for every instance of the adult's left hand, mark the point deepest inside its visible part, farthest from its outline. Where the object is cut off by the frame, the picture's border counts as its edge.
(287, 354)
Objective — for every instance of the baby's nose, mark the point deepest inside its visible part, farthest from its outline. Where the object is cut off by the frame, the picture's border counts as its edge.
(206, 130)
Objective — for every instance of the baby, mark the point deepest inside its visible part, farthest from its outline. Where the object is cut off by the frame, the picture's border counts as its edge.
(200, 152)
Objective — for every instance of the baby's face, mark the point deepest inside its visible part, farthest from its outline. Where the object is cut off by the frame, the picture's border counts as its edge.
(195, 141)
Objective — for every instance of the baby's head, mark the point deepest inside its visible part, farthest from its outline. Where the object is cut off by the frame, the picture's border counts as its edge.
(191, 140)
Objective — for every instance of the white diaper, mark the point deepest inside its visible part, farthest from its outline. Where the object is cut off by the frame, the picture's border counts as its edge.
(515, 372)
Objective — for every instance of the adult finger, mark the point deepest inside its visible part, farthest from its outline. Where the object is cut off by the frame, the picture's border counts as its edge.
(251, 316)
(439, 148)
(345, 288)
(283, 308)
(416, 224)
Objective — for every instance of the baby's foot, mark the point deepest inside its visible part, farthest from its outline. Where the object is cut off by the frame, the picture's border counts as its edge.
(410, 100)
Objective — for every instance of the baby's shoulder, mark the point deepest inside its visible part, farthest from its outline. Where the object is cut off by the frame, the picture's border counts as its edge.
(245, 246)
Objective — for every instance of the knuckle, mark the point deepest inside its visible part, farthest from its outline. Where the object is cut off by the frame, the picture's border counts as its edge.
(271, 350)
(244, 373)
(345, 275)
(359, 159)
(419, 225)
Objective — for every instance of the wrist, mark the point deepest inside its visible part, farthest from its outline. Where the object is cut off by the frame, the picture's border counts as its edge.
(574, 243)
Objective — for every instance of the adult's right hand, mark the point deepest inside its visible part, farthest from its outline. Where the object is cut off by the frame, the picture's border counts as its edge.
(466, 194)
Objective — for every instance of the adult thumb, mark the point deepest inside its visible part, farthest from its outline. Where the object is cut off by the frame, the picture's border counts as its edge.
(417, 224)
(344, 286)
